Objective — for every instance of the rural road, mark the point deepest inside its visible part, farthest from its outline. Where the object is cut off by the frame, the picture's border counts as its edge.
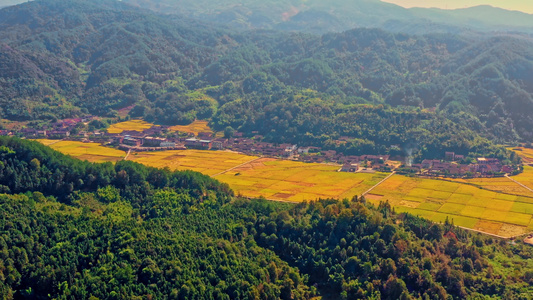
(377, 184)
(127, 154)
(522, 185)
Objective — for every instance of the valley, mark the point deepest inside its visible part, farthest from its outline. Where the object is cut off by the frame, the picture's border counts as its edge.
(496, 206)
(295, 150)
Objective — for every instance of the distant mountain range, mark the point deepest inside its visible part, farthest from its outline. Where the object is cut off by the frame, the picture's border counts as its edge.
(318, 16)
(338, 15)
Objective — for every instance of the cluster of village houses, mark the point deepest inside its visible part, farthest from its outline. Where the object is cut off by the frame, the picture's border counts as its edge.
(451, 167)
(58, 130)
(150, 140)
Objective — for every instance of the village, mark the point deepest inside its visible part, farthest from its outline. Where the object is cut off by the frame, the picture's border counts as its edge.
(160, 138)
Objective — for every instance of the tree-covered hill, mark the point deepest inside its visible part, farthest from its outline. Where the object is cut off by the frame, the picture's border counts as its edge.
(103, 46)
(78, 230)
(67, 58)
(338, 15)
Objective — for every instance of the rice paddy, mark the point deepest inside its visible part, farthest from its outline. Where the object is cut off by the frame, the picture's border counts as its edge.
(92, 152)
(525, 153)
(296, 181)
(206, 162)
(498, 206)
(270, 178)
(194, 128)
(467, 205)
(493, 205)
(47, 142)
(133, 125)
(505, 185)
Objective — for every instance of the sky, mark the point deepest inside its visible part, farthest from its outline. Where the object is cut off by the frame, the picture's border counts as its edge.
(521, 5)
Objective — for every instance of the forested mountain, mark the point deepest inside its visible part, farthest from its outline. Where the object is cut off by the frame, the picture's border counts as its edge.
(66, 58)
(338, 15)
(71, 229)
(77, 230)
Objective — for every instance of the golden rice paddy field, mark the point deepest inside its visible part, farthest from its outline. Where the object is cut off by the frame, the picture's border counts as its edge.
(503, 184)
(140, 125)
(526, 177)
(469, 206)
(271, 178)
(525, 153)
(207, 162)
(296, 181)
(136, 125)
(92, 152)
(497, 206)
(195, 127)
(47, 142)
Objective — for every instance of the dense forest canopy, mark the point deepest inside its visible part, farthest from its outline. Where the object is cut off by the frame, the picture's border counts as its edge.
(77, 230)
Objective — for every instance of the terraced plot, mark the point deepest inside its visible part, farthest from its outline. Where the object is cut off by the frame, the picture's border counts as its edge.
(92, 152)
(134, 125)
(468, 206)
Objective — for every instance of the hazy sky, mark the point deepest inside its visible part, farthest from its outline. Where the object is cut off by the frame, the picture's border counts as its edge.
(522, 5)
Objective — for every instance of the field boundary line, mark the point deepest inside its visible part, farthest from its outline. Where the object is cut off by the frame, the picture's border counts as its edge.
(523, 185)
(56, 142)
(377, 184)
(248, 162)
(485, 188)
